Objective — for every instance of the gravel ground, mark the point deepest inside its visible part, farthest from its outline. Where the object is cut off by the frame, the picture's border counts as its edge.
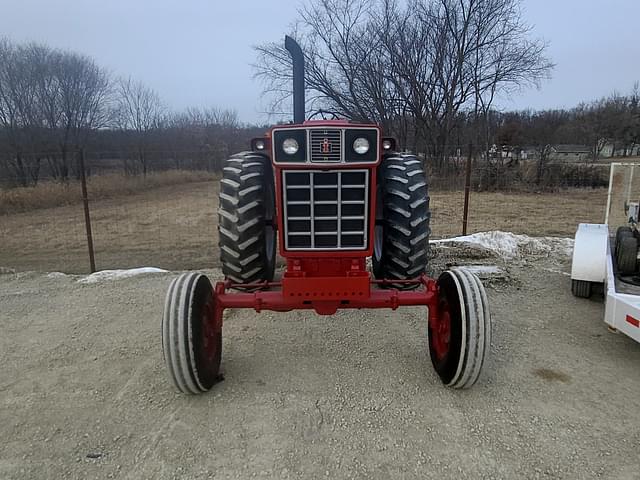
(84, 393)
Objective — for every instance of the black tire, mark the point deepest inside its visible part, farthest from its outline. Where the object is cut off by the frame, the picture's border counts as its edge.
(581, 288)
(465, 345)
(245, 219)
(620, 233)
(401, 238)
(192, 334)
(627, 254)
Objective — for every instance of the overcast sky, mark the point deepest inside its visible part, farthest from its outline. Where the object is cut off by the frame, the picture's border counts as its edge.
(198, 52)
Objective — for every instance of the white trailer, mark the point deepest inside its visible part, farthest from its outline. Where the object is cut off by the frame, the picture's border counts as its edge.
(607, 254)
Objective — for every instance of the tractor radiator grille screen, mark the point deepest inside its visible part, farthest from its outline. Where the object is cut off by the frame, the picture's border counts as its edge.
(326, 145)
(325, 210)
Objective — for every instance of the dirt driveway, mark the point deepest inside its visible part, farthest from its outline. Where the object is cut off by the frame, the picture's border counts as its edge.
(84, 393)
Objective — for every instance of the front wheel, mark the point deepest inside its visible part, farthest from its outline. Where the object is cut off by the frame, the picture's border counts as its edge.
(460, 333)
(192, 333)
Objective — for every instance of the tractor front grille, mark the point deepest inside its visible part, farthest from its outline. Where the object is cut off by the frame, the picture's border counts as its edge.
(326, 145)
(325, 210)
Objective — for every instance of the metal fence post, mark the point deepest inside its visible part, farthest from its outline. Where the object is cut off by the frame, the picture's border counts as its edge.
(87, 217)
(467, 188)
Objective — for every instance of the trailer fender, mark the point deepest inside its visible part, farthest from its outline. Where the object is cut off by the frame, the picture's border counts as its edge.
(590, 253)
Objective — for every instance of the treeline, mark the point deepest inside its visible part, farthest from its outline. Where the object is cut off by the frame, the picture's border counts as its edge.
(54, 103)
(518, 147)
(612, 122)
(428, 71)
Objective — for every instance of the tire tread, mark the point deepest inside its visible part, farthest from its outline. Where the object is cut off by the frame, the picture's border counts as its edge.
(241, 219)
(405, 250)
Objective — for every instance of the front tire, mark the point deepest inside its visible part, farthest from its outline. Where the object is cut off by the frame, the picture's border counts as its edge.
(192, 334)
(460, 338)
(401, 236)
(246, 219)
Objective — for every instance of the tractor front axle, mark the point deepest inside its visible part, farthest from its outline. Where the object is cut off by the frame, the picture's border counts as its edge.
(327, 295)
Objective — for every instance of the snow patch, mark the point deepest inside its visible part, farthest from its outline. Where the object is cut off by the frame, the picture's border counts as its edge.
(555, 270)
(56, 275)
(509, 245)
(481, 270)
(106, 275)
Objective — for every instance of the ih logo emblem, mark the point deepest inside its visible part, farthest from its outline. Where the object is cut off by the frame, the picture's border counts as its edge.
(326, 146)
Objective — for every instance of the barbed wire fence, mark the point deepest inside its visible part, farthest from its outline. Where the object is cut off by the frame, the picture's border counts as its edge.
(110, 213)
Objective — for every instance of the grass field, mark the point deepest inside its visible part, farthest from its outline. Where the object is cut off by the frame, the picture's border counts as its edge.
(175, 226)
(49, 194)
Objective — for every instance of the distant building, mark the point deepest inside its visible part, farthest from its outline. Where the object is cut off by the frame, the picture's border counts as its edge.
(570, 153)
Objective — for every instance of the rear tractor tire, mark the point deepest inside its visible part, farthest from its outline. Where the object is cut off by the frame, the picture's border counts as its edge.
(246, 219)
(192, 334)
(460, 337)
(401, 236)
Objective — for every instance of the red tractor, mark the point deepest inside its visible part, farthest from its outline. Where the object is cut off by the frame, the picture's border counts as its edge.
(326, 194)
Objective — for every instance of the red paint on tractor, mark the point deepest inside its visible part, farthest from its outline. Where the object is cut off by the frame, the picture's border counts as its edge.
(441, 328)
(326, 281)
(633, 321)
(272, 296)
(372, 167)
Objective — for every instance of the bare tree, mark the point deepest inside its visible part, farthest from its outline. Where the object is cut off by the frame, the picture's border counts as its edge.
(504, 59)
(20, 118)
(213, 133)
(141, 112)
(346, 71)
(410, 66)
(81, 91)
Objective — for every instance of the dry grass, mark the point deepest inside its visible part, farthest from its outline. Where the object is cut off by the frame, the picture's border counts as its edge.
(175, 227)
(53, 194)
(536, 214)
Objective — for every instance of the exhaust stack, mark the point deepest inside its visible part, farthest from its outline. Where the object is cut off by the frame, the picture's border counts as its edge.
(298, 78)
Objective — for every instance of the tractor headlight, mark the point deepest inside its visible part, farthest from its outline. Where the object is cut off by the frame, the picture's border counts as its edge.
(361, 145)
(290, 146)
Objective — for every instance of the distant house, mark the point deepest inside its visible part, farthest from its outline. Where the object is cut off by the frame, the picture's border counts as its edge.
(570, 153)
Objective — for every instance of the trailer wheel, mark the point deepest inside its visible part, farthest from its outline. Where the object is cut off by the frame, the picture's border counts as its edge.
(246, 219)
(401, 235)
(627, 254)
(581, 288)
(192, 333)
(620, 233)
(460, 338)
